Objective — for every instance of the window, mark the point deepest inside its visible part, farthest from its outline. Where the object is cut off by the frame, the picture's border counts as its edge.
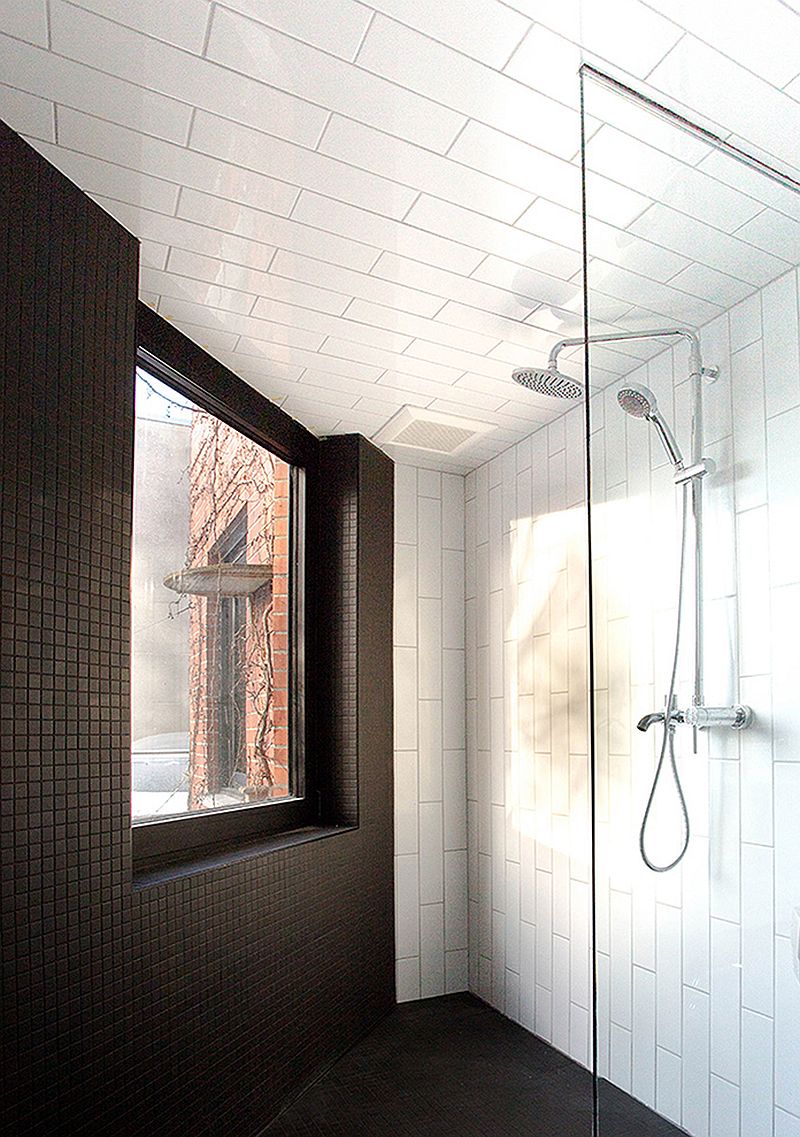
(267, 584)
(217, 636)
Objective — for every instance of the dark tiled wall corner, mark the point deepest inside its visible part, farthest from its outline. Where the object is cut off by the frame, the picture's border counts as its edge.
(199, 1005)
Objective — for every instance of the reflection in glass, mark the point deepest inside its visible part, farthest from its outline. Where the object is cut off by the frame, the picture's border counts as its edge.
(697, 998)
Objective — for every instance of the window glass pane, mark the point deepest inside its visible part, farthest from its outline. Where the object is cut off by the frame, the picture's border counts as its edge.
(210, 612)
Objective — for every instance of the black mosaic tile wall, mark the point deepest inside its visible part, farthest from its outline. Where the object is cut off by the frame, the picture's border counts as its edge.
(200, 1005)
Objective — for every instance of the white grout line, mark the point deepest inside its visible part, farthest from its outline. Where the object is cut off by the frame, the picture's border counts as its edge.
(665, 56)
(361, 42)
(189, 130)
(455, 139)
(404, 219)
(210, 20)
(483, 262)
(289, 215)
(517, 47)
(318, 143)
(378, 254)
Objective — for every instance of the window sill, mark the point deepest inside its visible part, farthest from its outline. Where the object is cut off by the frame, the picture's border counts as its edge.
(164, 870)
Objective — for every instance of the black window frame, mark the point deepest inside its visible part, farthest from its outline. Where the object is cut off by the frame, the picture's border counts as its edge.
(171, 357)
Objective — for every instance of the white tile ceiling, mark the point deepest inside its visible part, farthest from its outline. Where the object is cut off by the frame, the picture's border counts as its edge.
(361, 206)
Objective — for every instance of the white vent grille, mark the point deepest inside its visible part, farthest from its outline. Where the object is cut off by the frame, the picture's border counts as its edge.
(429, 430)
(433, 436)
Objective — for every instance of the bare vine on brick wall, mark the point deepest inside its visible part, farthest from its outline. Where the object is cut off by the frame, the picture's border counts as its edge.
(230, 475)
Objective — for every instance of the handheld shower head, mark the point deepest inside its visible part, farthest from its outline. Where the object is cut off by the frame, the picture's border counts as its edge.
(639, 401)
(548, 381)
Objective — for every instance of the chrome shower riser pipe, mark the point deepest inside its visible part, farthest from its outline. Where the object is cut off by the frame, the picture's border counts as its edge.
(617, 337)
(696, 380)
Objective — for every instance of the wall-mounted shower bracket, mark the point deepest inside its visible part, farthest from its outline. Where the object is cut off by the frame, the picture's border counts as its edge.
(696, 470)
(702, 718)
(710, 373)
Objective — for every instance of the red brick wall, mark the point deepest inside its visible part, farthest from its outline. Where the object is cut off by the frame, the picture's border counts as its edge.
(226, 473)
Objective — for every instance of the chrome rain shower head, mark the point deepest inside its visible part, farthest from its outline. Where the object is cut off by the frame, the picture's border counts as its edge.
(548, 381)
(639, 401)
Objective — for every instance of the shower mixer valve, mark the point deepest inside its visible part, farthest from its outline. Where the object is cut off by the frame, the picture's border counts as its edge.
(737, 717)
(701, 717)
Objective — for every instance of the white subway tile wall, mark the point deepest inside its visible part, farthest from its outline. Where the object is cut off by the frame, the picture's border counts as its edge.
(527, 760)
(698, 1006)
(430, 756)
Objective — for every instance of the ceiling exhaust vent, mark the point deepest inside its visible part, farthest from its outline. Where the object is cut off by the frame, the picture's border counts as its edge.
(429, 430)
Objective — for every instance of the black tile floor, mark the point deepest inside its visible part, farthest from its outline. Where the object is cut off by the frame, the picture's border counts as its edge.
(453, 1067)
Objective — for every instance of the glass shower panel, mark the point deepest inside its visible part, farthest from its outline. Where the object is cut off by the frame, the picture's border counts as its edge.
(694, 441)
